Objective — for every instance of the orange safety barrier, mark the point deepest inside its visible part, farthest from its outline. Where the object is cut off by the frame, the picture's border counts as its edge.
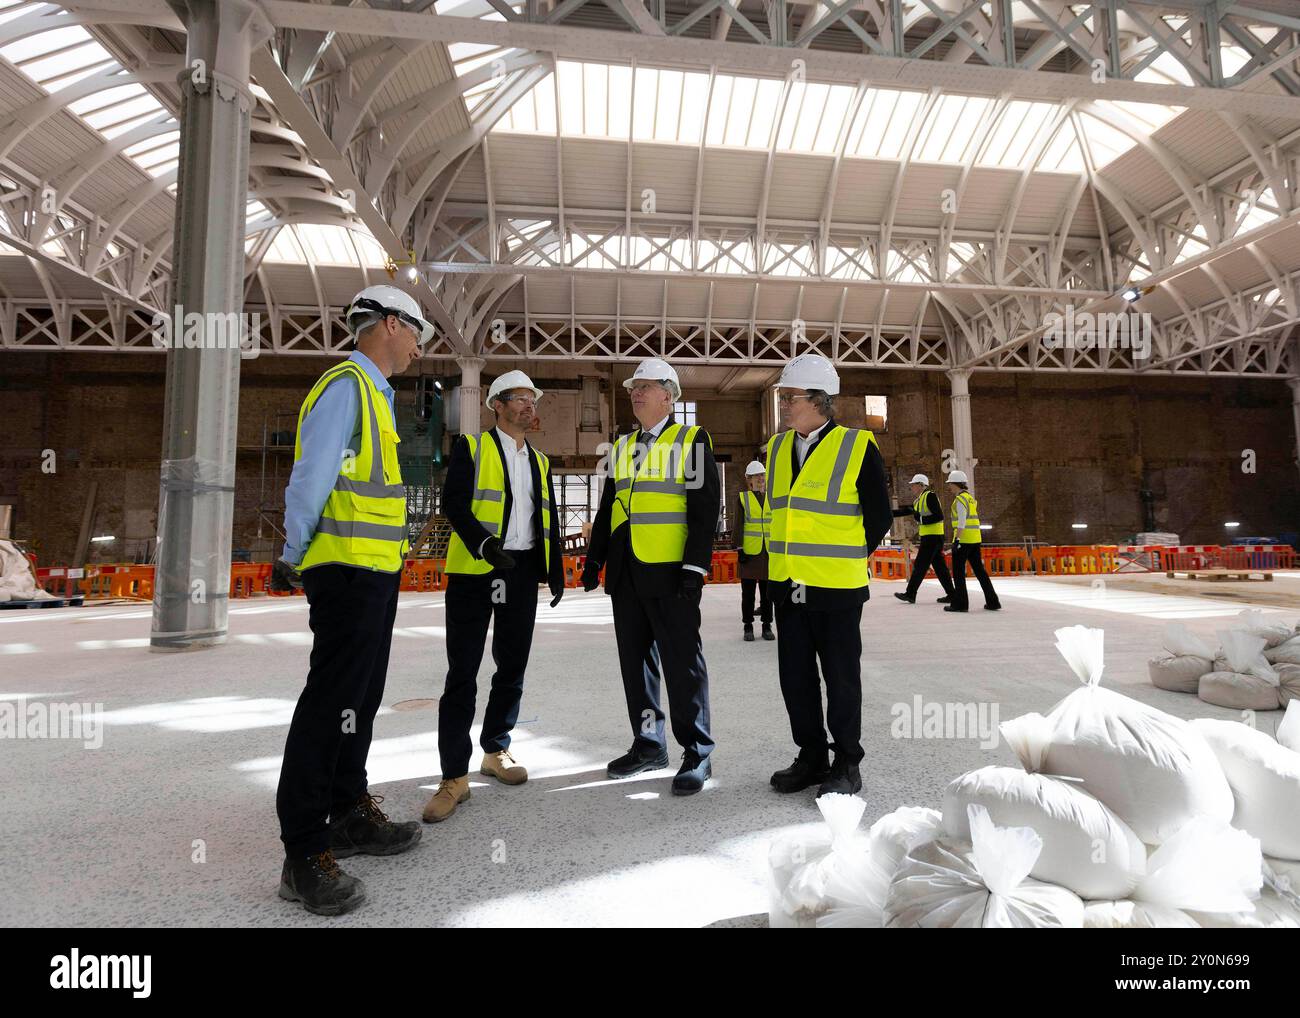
(1005, 561)
(424, 574)
(1045, 560)
(1259, 556)
(249, 578)
(889, 564)
(724, 568)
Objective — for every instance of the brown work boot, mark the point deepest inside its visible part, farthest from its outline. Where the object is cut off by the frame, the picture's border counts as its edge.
(450, 794)
(503, 767)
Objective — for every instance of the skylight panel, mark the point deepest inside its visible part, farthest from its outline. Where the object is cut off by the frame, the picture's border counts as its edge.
(905, 109)
(595, 100)
(619, 104)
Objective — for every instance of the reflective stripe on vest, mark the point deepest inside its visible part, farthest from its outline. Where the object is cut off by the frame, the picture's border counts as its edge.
(918, 507)
(817, 535)
(970, 534)
(488, 503)
(754, 533)
(651, 494)
(363, 523)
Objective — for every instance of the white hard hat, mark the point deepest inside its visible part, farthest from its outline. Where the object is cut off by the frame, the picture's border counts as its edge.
(810, 371)
(387, 300)
(755, 467)
(919, 479)
(511, 380)
(656, 370)
(958, 477)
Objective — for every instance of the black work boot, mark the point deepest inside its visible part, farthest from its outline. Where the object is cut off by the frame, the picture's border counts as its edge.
(634, 761)
(366, 830)
(320, 885)
(767, 631)
(749, 632)
(843, 778)
(805, 772)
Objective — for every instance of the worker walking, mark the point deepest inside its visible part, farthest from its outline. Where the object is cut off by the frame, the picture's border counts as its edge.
(966, 546)
(346, 538)
(928, 513)
(500, 499)
(830, 509)
(654, 535)
(751, 559)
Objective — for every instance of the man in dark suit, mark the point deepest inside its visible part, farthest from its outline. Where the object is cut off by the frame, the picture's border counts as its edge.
(500, 499)
(654, 533)
(830, 509)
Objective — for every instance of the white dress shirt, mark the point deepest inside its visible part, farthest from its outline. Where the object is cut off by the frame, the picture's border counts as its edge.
(802, 445)
(519, 534)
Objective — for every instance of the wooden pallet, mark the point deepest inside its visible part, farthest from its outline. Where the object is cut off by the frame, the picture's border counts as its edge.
(75, 601)
(1221, 574)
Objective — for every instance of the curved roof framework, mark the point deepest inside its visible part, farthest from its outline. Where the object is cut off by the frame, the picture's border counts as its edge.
(897, 183)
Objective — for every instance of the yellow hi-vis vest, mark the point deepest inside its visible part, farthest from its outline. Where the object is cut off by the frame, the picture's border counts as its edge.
(970, 534)
(926, 529)
(488, 503)
(651, 495)
(757, 521)
(363, 523)
(818, 538)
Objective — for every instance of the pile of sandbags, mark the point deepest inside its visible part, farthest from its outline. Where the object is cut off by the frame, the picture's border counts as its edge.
(801, 865)
(1243, 679)
(1122, 817)
(1185, 659)
(17, 583)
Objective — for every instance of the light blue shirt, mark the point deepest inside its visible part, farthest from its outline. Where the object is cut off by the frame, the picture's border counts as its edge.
(331, 428)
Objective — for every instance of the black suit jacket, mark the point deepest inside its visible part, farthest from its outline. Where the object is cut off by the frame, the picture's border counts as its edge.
(703, 502)
(458, 494)
(877, 515)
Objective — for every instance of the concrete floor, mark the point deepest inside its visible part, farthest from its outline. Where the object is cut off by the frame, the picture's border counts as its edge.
(172, 820)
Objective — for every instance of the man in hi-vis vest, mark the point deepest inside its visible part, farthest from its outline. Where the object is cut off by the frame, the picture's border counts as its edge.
(654, 534)
(346, 541)
(751, 558)
(830, 509)
(966, 541)
(500, 499)
(928, 513)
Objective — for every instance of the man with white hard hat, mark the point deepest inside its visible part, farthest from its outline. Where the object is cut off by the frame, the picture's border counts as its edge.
(830, 509)
(751, 554)
(346, 541)
(966, 541)
(653, 533)
(500, 499)
(928, 513)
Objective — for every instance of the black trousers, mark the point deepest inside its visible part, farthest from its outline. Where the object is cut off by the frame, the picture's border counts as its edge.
(961, 555)
(661, 635)
(929, 554)
(324, 769)
(834, 638)
(747, 589)
(472, 602)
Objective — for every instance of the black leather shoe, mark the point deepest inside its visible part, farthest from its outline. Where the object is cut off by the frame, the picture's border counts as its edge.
(365, 830)
(943, 600)
(844, 779)
(803, 773)
(904, 597)
(634, 762)
(692, 775)
(320, 885)
(993, 607)
(749, 634)
(953, 608)
(767, 633)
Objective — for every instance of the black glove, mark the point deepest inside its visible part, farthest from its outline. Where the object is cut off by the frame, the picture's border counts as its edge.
(494, 555)
(590, 575)
(556, 599)
(285, 578)
(956, 545)
(691, 584)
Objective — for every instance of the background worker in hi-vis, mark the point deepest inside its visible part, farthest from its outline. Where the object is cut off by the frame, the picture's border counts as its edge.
(830, 509)
(966, 542)
(751, 557)
(654, 534)
(346, 540)
(505, 541)
(928, 513)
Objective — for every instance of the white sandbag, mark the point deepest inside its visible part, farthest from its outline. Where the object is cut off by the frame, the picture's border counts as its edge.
(1283, 876)
(978, 884)
(1288, 729)
(1153, 770)
(897, 833)
(1271, 912)
(1284, 653)
(1178, 674)
(1288, 683)
(856, 894)
(1242, 652)
(1270, 628)
(1265, 781)
(801, 863)
(17, 582)
(1207, 867)
(1180, 641)
(1086, 847)
(1236, 691)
